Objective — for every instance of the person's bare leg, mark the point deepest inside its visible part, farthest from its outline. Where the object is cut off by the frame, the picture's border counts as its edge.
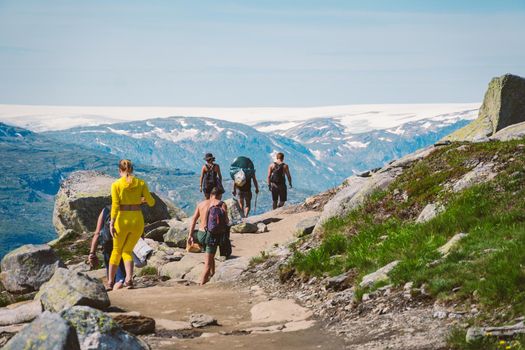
(128, 266)
(112, 271)
(280, 204)
(208, 260)
(274, 205)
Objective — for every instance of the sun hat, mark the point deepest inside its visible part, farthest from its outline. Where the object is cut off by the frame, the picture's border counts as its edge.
(208, 157)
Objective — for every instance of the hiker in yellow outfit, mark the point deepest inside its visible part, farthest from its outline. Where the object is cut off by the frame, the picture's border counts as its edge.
(127, 222)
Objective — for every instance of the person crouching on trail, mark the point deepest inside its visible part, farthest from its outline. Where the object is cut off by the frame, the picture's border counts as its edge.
(213, 225)
(245, 193)
(277, 181)
(210, 176)
(103, 237)
(127, 222)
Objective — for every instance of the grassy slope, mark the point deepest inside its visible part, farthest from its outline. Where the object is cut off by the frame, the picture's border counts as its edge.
(486, 268)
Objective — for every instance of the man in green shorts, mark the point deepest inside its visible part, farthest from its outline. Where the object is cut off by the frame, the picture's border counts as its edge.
(207, 240)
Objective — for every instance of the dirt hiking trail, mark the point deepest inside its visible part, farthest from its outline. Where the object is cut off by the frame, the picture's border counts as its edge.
(247, 318)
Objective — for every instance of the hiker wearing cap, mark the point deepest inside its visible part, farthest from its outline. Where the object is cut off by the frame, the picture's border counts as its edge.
(244, 188)
(277, 182)
(210, 176)
(212, 215)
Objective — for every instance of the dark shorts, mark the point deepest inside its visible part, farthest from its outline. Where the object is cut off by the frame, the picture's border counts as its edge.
(279, 192)
(246, 197)
(207, 241)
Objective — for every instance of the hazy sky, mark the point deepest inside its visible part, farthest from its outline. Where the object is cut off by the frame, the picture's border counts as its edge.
(256, 53)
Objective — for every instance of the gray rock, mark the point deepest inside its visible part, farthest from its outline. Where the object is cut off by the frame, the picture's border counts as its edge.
(262, 228)
(503, 105)
(231, 270)
(177, 234)
(244, 227)
(483, 172)
(48, 331)
(477, 333)
(429, 212)
(25, 269)
(357, 189)
(202, 320)
(513, 132)
(68, 288)
(235, 214)
(378, 276)
(157, 234)
(179, 269)
(174, 211)
(409, 159)
(447, 247)
(96, 330)
(306, 226)
(20, 313)
(340, 282)
(83, 195)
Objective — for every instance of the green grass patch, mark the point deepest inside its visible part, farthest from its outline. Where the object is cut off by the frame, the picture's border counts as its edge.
(488, 266)
(259, 259)
(456, 340)
(148, 271)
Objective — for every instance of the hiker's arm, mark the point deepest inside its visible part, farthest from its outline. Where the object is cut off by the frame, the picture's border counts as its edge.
(192, 225)
(115, 206)
(147, 195)
(94, 241)
(225, 208)
(270, 168)
(219, 172)
(256, 184)
(287, 172)
(202, 177)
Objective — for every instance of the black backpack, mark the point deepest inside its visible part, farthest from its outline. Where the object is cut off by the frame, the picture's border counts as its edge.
(210, 177)
(277, 175)
(105, 240)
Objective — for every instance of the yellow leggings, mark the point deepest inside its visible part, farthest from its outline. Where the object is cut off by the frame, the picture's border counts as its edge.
(129, 226)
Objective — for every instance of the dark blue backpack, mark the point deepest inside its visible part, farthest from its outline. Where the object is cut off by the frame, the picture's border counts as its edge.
(216, 223)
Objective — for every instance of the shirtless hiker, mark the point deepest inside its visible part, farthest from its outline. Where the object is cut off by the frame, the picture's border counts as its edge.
(213, 221)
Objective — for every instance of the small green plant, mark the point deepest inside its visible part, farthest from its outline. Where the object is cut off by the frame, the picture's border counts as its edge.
(148, 271)
(256, 260)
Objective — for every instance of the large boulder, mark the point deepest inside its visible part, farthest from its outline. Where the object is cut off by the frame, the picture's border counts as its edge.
(25, 269)
(181, 269)
(135, 324)
(83, 195)
(503, 105)
(356, 190)
(96, 330)
(235, 214)
(48, 331)
(68, 288)
(177, 234)
(156, 230)
(513, 132)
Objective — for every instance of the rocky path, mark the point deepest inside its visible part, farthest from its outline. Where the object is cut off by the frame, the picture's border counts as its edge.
(246, 317)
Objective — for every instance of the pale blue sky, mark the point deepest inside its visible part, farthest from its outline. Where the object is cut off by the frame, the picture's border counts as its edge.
(256, 53)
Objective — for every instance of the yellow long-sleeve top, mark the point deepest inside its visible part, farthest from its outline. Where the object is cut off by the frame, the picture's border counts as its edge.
(130, 193)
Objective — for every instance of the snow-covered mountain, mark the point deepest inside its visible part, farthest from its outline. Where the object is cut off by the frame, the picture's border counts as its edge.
(337, 142)
(321, 151)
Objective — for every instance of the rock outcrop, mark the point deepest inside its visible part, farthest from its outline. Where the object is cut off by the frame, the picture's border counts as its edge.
(83, 195)
(68, 288)
(48, 331)
(503, 106)
(177, 233)
(96, 330)
(245, 227)
(25, 269)
(20, 313)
